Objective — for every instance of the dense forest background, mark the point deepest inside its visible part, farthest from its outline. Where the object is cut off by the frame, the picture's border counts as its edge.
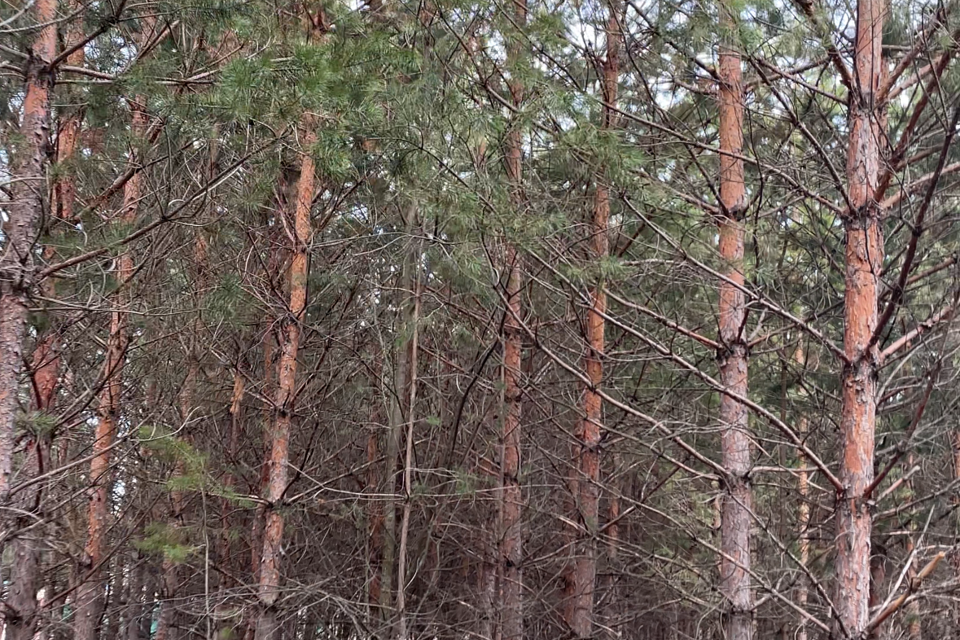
(490, 319)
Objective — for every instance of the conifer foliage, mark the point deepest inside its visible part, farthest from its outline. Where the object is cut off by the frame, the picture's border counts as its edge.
(486, 319)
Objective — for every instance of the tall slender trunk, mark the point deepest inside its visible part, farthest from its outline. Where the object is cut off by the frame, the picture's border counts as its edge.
(391, 454)
(612, 534)
(403, 413)
(228, 625)
(955, 562)
(589, 431)
(395, 417)
(116, 598)
(21, 604)
(169, 567)
(269, 586)
(90, 592)
(65, 189)
(510, 595)
(732, 353)
(402, 631)
(22, 226)
(803, 512)
(225, 551)
(864, 254)
(260, 513)
(912, 609)
(25, 579)
(374, 531)
(486, 587)
(134, 609)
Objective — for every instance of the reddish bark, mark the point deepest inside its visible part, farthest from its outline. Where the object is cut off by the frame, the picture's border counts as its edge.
(25, 579)
(510, 594)
(65, 189)
(89, 594)
(22, 226)
(269, 584)
(864, 253)
(169, 568)
(611, 530)
(590, 428)
(732, 354)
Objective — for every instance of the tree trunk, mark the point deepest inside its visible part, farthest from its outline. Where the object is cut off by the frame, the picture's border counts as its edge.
(225, 552)
(402, 377)
(269, 584)
(25, 576)
(168, 589)
(374, 532)
(612, 535)
(227, 625)
(732, 353)
(510, 594)
(912, 609)
(405, 392)
(170, 572)
(487, 586)
(90, 592)
(260, 513)
(22, 226)
(134, 608)
(116, 599)
(408, 461)
(803, 512)
(65, 189)
(589, 432)
(864, 254)
(20, 613)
